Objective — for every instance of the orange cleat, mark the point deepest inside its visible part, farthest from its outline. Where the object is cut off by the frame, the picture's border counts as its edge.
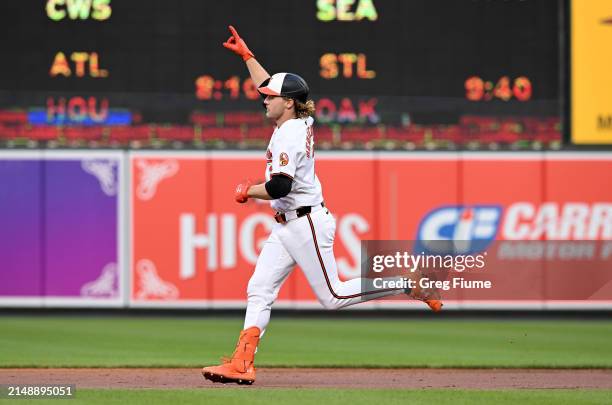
(435, 305)
(227, 373)
(240, 368)
(430, 296)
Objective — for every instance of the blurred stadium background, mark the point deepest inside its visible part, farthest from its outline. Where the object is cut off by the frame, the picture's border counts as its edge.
(124, 126)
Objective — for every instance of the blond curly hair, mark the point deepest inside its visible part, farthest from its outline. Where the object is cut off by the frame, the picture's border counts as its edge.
(303, 110)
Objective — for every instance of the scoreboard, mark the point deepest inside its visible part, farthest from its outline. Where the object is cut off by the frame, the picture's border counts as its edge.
(367, 62)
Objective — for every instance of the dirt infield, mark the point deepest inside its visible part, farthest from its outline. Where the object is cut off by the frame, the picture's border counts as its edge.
(317, 378)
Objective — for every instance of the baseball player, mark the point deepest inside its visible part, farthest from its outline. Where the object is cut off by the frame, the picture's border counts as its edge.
(304, 234)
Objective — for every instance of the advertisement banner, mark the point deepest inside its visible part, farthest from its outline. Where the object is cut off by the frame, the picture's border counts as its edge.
(408, 188)
(193, 245)
(190, 244)
(62, 241)
(82, 227)
(579, 208)
(494, 190)
(169, 198)
(21, 250)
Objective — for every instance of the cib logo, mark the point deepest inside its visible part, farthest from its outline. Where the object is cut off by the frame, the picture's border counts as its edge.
(470, 228)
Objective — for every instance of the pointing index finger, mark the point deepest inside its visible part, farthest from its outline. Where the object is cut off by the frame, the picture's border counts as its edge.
(234, 32)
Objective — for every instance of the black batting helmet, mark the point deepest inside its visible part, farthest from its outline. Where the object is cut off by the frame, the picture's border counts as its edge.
(287, 85)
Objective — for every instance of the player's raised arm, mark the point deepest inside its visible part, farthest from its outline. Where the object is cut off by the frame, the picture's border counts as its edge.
(237, 45)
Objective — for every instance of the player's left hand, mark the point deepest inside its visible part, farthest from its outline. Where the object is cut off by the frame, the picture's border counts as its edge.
(242, 191)
(237, 45)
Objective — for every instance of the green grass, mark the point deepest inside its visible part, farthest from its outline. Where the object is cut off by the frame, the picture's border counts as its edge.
(170, 342)
(253, 396)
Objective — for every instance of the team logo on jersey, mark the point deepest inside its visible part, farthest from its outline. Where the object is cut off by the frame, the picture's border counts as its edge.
(460, 229)
(284, 159)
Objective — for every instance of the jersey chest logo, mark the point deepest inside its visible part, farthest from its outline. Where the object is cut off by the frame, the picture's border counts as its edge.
(283, 159)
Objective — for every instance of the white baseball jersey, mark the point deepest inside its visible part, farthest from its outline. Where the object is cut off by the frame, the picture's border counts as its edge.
(307, 241)
(291, 153)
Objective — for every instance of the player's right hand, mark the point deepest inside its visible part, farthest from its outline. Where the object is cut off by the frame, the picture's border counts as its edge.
(237, 45)
(242, 191)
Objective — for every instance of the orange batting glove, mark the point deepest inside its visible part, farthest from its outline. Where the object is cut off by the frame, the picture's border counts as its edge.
(242, 191)
(237, 45)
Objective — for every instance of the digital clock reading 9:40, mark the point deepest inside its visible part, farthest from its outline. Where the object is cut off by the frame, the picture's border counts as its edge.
(209, 88)
(476, 89)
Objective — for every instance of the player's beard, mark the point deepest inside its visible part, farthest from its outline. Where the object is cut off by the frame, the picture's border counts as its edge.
(272, 113)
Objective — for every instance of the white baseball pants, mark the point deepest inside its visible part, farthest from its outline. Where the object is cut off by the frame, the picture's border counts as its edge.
(308, 242)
